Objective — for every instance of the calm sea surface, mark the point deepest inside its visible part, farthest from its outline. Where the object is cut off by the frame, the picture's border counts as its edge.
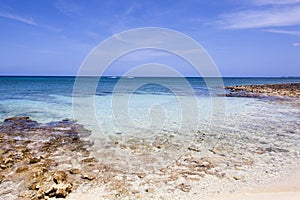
(50, 98)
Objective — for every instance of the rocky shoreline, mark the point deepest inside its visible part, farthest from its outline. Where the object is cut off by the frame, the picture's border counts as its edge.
(54, 160)
(266, 90)
(42, 161)
(37, 160)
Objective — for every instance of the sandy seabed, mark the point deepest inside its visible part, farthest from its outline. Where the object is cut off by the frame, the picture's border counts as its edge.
(59, 160)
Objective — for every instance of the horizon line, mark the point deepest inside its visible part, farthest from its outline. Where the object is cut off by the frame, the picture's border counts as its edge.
(118, 76)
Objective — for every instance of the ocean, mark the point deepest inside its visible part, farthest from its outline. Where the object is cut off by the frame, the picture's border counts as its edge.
(166, 126)
(47, 99)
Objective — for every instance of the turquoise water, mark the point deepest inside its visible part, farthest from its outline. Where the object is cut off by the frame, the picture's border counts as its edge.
(171, 111)
(50, 98)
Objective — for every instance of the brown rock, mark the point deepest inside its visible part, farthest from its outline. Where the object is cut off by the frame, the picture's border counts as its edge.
(25, 141)
(74, 171)
(59, 177)
(277, 90)
(218, 151)
(62, 190)
(34, 185)
(54, 189)
(88, 176)
(1, 178)
(174, 176)
(34, 160)
(87, 160)
(16, 119)
(141, 175)
(22, 169)
(194, 148)
(238, 177)
(27, 195)
(7, 163)
(184, 187)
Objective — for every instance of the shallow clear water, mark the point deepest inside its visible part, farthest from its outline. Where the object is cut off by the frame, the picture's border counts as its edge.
(159, 109)
(50, 98)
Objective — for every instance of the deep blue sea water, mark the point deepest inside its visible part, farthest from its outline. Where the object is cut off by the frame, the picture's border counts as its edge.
(41, 88)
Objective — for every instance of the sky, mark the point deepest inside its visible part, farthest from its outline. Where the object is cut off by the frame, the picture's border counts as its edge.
(244, 38)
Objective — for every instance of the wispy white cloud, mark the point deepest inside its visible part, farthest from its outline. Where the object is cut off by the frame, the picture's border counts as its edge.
(288, 32)
(260, 18)
(145, 55)
(274, 2)
(25, 20)
(130, 9)
(296, 44)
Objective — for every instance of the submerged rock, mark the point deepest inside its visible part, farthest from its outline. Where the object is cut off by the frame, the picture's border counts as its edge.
(37, 156)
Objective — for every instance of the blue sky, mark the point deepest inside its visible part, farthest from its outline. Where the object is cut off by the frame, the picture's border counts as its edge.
(244, 38)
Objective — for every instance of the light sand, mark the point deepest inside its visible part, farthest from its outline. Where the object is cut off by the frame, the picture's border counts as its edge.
(266, 196)
(287, 188)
